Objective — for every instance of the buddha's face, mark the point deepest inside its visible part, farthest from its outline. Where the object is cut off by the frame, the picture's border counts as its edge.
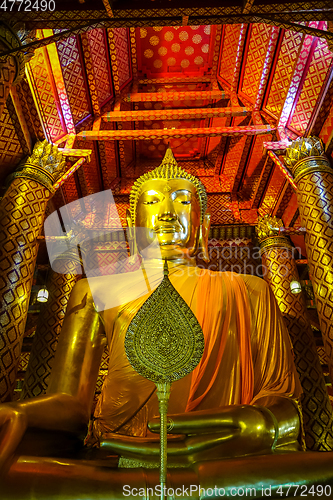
(170, 210)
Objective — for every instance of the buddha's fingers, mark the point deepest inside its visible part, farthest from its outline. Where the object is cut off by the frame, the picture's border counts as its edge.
(139, 447)
(201, 422)
(13, 424)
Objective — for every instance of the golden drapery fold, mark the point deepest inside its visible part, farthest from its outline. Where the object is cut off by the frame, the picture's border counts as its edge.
(247, 354)
(231, 290)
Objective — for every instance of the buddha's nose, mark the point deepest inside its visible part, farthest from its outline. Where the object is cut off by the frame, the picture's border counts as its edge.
(167, 210)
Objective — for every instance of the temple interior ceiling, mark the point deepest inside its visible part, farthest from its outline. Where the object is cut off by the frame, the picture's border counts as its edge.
(227, 95)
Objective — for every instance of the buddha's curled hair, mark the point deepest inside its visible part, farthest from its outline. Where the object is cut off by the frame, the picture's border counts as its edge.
(168, 169)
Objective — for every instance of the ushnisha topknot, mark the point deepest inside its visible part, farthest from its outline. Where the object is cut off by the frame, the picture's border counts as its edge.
(168, 169)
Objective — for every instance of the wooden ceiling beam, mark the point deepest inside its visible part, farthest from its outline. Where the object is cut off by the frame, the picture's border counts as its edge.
(195, 95)
(118, 135)
(283, 168)
(69, 172)
(174, 114)
(175, 79)
(238, 64)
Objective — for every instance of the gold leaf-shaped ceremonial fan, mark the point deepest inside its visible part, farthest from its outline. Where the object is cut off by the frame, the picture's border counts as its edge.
(164, 342)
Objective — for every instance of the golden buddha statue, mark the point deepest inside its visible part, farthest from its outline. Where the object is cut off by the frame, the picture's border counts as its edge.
(234, 421)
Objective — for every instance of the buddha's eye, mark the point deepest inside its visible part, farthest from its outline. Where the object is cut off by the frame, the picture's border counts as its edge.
(186, 202)
(150, 202)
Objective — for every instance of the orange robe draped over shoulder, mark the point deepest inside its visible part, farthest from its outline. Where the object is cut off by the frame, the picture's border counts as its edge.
(247, 354)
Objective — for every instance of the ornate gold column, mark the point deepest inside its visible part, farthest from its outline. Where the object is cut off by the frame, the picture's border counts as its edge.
(21, 217)
(314, 178)
(279, 270)
(59, 285)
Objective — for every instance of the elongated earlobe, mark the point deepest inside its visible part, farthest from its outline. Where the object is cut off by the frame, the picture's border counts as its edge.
(203, 238)
(131, 238)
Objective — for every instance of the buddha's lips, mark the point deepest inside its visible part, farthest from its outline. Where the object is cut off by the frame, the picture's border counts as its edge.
(168, 228)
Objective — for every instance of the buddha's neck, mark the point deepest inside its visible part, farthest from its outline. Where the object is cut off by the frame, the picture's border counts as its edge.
(190, 261)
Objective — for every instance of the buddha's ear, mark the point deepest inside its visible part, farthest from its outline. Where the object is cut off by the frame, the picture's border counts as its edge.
(131, 234)
(203, 238)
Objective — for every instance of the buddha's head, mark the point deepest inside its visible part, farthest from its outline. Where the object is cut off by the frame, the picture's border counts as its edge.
(171, 205)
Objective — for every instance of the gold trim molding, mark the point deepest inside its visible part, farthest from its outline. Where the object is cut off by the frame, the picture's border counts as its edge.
(311, 164)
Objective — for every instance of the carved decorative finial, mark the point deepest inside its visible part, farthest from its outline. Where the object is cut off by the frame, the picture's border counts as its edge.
(48, 157)
(268, 227)
(169, 158)
(46, 165)
(301, 148)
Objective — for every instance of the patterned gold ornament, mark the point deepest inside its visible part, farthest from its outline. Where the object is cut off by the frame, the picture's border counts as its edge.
(164, 343)
(267, 231)
(303, 148)
(46, 165)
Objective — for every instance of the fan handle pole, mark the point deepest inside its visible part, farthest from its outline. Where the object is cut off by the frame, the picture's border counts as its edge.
(163, 394)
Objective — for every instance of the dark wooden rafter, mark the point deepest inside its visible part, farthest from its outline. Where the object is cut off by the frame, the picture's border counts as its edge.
(245, 159)
(18, 120)
(223, 148)
(282, 18)
(270, 166)
(279, 198)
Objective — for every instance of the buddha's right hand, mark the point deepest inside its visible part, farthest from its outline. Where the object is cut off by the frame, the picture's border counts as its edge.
(13, 424)
(231, 431)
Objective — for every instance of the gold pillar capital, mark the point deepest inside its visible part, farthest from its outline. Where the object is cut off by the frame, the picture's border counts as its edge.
(267, 231)
(306, 155)
(45, 165)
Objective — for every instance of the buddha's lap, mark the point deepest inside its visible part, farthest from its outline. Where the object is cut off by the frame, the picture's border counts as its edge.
(295, 475)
